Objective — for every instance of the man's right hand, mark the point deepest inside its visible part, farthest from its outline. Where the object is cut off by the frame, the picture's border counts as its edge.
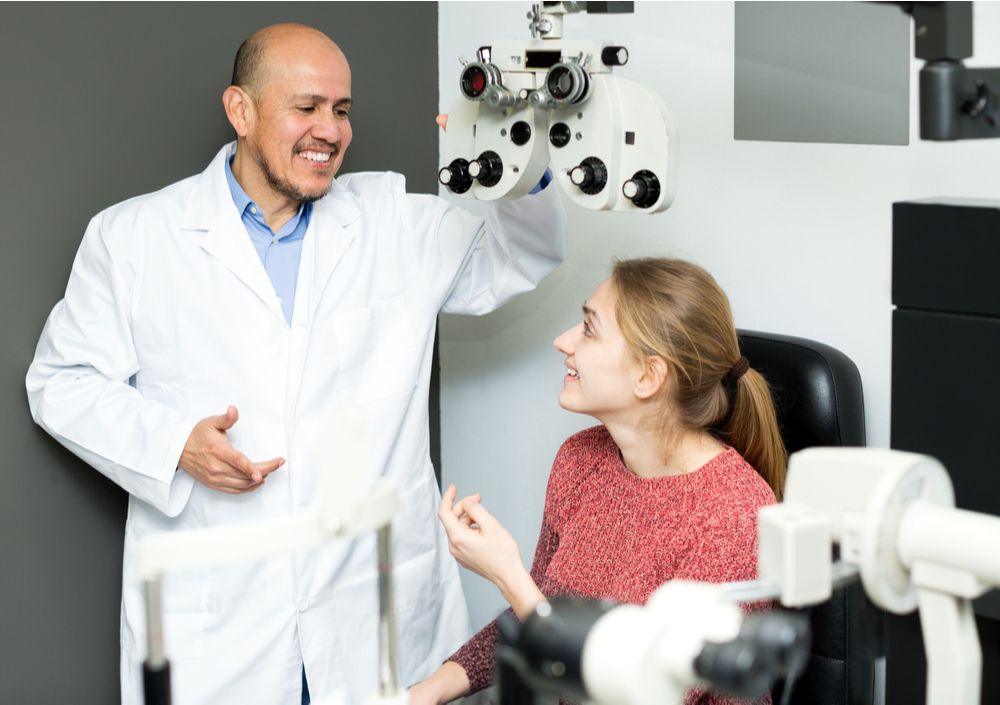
(210, 458)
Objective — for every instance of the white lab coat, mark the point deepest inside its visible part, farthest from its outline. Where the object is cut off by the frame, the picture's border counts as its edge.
(169, 317)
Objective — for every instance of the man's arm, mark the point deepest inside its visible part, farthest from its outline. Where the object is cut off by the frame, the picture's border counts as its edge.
(474, 262)
(78, 388)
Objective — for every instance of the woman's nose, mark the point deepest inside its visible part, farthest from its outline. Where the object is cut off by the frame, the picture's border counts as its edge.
(564, 343)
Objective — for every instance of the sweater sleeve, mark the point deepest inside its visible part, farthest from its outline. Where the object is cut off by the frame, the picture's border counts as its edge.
(476, 656)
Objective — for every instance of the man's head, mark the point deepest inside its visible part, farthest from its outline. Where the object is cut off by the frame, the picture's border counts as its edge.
(289, 105)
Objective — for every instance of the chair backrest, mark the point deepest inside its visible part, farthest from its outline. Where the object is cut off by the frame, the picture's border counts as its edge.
(819, 400)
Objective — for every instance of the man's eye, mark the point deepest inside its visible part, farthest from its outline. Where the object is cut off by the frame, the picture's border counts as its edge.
(341, 114)
(306, 108)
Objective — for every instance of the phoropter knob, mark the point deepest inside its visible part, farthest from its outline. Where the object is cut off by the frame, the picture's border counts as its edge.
(456, 176)
(643, 189)
(614, 56)
(487, 168)
(498, 97)
(590, 176)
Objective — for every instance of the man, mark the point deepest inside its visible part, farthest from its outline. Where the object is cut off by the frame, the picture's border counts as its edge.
(208, 331)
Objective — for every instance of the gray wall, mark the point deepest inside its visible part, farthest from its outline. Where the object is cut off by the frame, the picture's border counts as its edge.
(100, 102)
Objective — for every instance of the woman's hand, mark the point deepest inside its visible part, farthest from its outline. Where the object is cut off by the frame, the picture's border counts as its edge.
(444, 685)
(480, 543)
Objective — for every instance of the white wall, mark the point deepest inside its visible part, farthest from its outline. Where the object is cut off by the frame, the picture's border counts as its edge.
(799, 236)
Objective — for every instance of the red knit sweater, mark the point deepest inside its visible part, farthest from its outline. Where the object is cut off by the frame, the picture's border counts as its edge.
(607, 533)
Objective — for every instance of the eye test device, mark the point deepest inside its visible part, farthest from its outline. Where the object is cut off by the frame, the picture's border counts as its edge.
(524, 104)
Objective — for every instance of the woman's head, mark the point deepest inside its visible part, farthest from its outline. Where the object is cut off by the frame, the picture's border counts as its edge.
(668, 335)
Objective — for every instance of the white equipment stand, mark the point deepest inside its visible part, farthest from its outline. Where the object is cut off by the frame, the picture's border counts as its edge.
(336, 517)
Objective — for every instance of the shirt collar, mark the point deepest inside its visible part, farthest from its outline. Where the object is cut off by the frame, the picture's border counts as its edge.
(240, 197)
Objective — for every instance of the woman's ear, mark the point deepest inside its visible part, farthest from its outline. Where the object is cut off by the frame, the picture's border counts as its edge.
(653, 378)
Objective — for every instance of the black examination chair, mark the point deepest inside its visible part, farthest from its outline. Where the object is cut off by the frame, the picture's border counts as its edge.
(818, 396)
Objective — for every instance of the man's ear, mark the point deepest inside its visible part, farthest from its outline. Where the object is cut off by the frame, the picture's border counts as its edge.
(239, 109)
(653, 378)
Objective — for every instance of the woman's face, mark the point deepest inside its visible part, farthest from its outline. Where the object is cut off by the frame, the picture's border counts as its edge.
(601, 371)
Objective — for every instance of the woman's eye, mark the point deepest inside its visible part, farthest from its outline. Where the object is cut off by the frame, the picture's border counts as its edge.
(586, 330)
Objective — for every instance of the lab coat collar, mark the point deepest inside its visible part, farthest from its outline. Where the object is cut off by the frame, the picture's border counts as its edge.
(206, 204)
(210, 210)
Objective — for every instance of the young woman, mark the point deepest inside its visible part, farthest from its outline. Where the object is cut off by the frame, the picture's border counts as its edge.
(667, 487)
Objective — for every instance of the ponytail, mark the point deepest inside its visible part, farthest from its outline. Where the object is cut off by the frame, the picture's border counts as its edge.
(751, 427)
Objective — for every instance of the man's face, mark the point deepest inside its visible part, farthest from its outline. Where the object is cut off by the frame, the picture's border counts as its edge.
(301, 128)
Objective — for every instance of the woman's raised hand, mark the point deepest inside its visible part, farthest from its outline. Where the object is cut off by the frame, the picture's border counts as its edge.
(480, 543)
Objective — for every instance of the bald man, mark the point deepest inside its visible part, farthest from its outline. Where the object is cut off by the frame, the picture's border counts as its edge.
(208, 333)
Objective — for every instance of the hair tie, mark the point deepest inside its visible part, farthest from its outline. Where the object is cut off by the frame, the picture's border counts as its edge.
(737, 370)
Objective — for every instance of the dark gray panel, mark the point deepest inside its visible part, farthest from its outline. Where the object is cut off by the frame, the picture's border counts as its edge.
(822, 72)
(101, 102)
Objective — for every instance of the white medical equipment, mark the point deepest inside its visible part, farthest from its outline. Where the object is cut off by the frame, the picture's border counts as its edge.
(893, 516)
(611, 142)
(340, 513)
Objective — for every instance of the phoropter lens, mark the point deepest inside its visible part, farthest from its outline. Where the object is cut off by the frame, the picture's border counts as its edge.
(476, 79)
(567, 83)
(560, 83)
(473, 82)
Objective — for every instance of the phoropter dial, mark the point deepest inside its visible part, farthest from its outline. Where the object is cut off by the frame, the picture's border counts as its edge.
(456, 176)
(487, 168)
(477, 77)
(643, 189)
(590, 176)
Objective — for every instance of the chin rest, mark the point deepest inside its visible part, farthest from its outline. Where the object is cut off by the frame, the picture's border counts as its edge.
(819, 401)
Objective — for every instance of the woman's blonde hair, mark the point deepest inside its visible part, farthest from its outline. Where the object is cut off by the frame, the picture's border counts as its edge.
(675, 310)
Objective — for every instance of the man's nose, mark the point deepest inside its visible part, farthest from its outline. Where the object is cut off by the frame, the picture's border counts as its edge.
(327, 128)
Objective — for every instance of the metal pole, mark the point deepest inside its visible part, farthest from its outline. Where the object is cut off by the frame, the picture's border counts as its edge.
(156, 656)
(156, 669)
(386, 621)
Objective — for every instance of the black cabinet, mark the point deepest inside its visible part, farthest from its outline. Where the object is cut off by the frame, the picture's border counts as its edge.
(946, 389)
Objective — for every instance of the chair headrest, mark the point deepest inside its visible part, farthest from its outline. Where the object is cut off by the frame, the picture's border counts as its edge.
(816, 388)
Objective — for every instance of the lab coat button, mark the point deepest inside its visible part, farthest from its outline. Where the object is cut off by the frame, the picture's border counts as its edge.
(302, 605)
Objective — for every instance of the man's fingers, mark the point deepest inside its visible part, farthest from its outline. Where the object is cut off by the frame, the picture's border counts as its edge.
(226, 421)
(242, 463)
(238, 484)
(266, 467)
(442, 121)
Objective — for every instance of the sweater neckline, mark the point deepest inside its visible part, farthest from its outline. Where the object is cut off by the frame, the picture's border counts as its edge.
(682, 479)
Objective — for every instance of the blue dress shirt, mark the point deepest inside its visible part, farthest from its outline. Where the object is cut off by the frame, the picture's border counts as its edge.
(279, 252)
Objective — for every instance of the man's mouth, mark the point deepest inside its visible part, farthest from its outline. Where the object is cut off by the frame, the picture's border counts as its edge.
(314, 156)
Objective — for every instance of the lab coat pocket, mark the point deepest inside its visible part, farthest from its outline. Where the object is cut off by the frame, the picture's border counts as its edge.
(185, 612)
(377, 350)
(417, 625)
(184, 634)
(415, 527)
